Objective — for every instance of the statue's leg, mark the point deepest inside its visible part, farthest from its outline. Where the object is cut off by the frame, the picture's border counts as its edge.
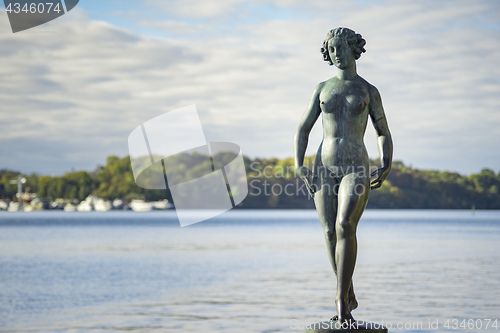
(325, 200)
(326, 205)
(352, 302)
(352, 198)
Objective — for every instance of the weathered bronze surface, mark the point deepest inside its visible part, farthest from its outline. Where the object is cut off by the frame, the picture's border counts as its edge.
(340, 180)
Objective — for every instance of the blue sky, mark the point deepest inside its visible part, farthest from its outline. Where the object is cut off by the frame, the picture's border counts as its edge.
(74, 88)
(130, 14)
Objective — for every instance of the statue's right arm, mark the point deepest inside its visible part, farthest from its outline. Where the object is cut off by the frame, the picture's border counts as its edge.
(302, 135)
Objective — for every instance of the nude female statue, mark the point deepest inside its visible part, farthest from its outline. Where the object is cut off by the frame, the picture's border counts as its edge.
(341, 178)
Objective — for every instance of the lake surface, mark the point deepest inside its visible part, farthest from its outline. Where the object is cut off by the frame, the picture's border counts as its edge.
(245, 271)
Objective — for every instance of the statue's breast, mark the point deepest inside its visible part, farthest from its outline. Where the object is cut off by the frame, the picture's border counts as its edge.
(339, 103)
(355, 103)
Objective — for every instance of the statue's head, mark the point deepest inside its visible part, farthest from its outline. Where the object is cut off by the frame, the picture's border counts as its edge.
(354, 40)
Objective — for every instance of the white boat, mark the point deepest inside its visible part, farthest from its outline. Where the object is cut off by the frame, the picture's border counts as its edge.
(141, 206)
(118, 203)
(84, 206)
(69, 207)
(3, 205)
(13, 206)
(87, 205)
(102, 205)
(163, 204)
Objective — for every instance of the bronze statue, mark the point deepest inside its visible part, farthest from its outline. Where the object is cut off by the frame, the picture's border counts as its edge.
(340, 181)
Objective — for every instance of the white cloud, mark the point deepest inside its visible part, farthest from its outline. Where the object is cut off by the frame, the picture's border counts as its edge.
(72, 90)
(195, 8)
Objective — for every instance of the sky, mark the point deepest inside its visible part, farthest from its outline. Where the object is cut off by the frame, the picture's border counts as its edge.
(73, 89)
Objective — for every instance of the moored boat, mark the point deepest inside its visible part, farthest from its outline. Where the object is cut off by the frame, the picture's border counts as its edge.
(141, 206)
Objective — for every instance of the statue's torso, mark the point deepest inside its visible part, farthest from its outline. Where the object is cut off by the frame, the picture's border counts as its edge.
(344, 106)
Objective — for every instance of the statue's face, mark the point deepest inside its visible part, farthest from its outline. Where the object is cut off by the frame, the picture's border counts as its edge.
(341, 52)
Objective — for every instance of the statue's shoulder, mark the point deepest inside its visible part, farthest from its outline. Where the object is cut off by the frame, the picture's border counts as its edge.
(372, 90)
(320, 85)
(364, 83)
(319, 88)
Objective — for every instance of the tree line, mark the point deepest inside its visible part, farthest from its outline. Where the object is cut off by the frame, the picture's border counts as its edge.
(271, 184)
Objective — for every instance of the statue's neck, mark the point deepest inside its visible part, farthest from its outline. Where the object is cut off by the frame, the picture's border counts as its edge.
(349, 73)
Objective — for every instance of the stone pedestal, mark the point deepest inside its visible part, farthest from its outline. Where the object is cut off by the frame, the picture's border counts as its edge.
(334, 326)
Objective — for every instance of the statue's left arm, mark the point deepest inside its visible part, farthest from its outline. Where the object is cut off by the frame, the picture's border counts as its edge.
(379, 121)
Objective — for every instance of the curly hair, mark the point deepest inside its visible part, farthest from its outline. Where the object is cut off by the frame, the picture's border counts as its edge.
(355, 40)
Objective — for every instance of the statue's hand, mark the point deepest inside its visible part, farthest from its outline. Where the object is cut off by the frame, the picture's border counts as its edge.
(381, 175)
(304, 172)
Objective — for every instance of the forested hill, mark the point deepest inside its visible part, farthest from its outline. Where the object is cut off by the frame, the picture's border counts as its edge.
(272, 184)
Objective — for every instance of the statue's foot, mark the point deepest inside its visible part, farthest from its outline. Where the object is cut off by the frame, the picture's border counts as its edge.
(348, 318)
(353, 303)
(343, 313)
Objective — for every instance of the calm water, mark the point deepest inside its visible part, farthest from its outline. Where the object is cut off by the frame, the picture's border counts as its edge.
(246, 271)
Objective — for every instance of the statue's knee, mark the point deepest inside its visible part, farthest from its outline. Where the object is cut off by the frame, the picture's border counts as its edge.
(330, 234)
(345, 228)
